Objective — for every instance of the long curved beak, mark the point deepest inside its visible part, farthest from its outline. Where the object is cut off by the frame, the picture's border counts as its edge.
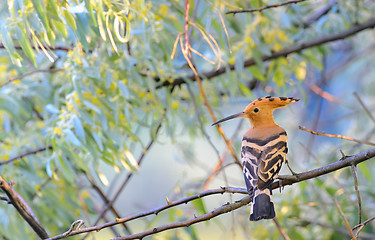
(237, 115)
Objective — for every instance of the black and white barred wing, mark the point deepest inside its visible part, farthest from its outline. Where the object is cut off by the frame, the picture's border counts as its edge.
(262, 160)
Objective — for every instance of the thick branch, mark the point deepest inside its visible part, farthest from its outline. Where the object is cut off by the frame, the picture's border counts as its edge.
(264, 7)
(282, 53)
(23, 209)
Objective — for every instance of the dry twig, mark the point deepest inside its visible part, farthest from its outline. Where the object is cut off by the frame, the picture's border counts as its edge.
(345, 220)
(26, 154)
(358, 195)
(335, 136)
(264, 7)
(297, 47)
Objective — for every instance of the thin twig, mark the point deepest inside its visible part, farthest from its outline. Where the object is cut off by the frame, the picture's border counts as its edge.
(280, 228)
(283, 181)
(319, 91)
(26, 154)
(297, 47)
(23, 209)
(106, 200)
(304, 222)
(6, 199)
(364, 106)
(264, 7)
(219, 165)
(361, 225)
(31, 73)
(56, 48)
(335, 136)
(125, 182)
(186, 51)
(358, 195)
(320, 13)
(345, 220)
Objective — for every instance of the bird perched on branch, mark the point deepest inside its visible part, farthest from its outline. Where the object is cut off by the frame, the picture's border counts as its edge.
(264, 149)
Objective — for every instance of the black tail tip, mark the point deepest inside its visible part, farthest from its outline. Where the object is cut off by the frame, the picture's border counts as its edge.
(262, 208)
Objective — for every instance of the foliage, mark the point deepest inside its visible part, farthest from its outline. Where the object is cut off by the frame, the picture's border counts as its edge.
(91, 81)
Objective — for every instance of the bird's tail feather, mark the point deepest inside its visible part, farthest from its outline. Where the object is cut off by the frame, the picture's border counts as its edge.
(262, 206)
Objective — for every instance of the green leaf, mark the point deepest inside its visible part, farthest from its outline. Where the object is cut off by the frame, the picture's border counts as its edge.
(256, 73)
(98, 140)
(199, 205)
(72, 137)
(365, 170)
(25, 45)
(41, 13)
(9, 46)
(70, 19)
(79, 128)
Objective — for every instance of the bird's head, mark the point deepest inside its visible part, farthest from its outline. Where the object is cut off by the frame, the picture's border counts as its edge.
(259, 111)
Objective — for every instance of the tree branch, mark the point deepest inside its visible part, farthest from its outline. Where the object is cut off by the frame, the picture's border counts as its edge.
(25, 154)
(336, 136)
(345, 220)
(283, 181)
(125, 182)
(23, 209)
(342, 163)
(31, 73)
(56, 48)
(282, 53)
(218, 211)
(264, 7)
(320, 13)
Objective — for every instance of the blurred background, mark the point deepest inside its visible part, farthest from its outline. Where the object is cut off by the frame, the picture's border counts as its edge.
(99, 102)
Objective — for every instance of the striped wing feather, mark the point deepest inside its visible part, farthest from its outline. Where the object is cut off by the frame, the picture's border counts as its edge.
(262, 160)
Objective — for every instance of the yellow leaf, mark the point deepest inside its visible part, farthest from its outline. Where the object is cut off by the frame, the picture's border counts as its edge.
(103, 179)
(131, 159)
(301, 71)
(57, 130)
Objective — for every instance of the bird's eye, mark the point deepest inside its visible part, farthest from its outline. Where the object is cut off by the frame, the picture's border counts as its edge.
(256, 110)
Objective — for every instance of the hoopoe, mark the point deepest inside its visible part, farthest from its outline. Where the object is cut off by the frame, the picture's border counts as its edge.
(264, 149)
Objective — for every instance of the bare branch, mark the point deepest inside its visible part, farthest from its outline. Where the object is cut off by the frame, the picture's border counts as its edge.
(364, 106)
(361, 225)
(125, 182)
(156, 210)
(283, 181)
(358, 195)
(352, 160)
(23, 209)
(282, 53)
(105, 199)
(280, 228)
(31, 73)
(56, 48)
(26, 154)
(345, 220)
(218, 211)
(264, 7)
(320, 13)
(336, 136)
